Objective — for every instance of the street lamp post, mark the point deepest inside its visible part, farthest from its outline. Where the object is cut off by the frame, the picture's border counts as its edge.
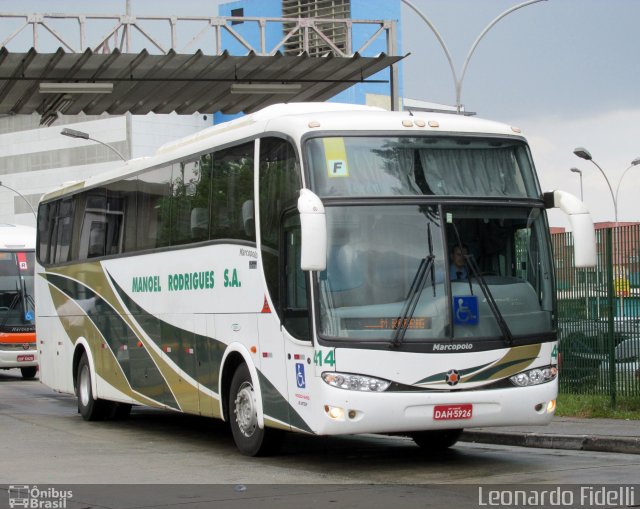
(583, 153)
(579, 172)
(635, 162)
(21, 196)
(458, 81)
(72, 133)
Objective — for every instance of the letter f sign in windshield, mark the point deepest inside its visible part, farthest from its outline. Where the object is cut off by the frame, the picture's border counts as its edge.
(338, 168)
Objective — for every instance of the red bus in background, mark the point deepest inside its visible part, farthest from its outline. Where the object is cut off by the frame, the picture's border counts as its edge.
(18, 347)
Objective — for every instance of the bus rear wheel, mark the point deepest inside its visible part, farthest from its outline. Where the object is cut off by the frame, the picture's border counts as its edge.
(436, 440)
(91, 409)
(29, 372)
(250, 439)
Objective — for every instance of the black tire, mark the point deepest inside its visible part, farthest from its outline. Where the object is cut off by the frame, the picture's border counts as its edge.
(243, 418)
(436, 440)
(91, 409)
(29, 373)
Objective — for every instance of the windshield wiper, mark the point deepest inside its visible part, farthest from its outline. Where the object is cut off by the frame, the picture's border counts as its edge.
(425, 269)
(24, 297)
(502, 324)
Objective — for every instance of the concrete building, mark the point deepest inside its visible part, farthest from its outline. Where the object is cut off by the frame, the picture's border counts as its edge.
(35, 159)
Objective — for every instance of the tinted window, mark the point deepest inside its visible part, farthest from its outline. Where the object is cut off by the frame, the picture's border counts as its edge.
(154, 208)
(62, 231)
(232, 214)
(189, 203)
(46, 216)
(102, 231)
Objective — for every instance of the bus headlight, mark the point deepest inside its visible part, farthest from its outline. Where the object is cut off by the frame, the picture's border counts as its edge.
(355, 382)
(535, 376)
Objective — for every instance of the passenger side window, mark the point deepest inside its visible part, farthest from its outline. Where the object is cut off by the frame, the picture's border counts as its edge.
(102, 231)
(154, 208)
(63, 231)
(46, 222)
(232, 193)
(189, 203)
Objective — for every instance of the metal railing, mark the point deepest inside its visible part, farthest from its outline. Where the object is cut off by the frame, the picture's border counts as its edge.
(129, 33)
(599, 315)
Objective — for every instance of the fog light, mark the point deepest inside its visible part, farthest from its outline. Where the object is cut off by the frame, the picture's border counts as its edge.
(551, 406)
(336, 413)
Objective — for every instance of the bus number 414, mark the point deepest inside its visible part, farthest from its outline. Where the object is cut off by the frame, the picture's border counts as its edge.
(328, 360)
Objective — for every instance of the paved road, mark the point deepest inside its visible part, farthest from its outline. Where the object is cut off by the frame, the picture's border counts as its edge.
(45, 441)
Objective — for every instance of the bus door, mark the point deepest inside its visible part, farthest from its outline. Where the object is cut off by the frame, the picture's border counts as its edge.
(296, 323)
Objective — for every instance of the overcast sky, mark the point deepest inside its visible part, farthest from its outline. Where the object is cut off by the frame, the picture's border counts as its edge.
(567, 72)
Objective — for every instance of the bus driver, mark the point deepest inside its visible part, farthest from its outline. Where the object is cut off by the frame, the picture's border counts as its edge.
(458, 266)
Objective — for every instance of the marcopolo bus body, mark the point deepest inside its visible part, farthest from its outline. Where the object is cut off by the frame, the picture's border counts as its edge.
(17, 315)
(292, 270)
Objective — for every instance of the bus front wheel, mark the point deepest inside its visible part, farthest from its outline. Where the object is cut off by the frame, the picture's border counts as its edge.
(90, 408)
(250, 439)
(436, 440)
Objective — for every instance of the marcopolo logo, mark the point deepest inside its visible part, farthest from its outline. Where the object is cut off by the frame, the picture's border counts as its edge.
(22, 495)
(450, 347)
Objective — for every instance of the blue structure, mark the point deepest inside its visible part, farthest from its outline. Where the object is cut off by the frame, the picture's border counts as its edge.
(360, 9)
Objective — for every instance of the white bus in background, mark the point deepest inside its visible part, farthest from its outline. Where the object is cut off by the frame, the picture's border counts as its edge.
(17, 314)
(289, 271)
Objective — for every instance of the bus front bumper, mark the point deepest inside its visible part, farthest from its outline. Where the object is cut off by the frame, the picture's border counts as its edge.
(346, 412)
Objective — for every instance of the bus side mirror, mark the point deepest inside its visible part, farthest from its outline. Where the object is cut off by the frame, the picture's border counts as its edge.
(584, 236)
(313, 229)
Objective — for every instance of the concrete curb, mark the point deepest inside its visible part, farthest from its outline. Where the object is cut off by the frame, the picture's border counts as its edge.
(625, 445)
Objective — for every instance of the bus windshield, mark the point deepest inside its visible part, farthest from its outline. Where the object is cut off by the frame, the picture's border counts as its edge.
(427, 165)
(376, 251)
(16, 289)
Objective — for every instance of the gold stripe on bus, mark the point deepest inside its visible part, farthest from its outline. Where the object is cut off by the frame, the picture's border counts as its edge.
(92, 275)
(106, 365)
(514, 361)
(186, 395)
(526, 354)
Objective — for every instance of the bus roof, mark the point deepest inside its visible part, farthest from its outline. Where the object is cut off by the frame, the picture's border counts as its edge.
(15, 237)
(296, 119)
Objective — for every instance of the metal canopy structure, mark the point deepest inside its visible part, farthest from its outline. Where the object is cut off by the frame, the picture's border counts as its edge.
(136, 66)
(186, 84)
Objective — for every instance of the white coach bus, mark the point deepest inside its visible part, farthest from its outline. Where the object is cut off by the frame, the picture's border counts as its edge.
(290, 270)
(17, 315)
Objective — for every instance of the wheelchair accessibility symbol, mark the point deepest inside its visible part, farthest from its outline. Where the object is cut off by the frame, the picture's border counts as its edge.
(300, 381)
(465, 310)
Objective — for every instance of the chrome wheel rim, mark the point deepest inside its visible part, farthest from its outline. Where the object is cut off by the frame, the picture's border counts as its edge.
(245, 410)
(84, 387)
